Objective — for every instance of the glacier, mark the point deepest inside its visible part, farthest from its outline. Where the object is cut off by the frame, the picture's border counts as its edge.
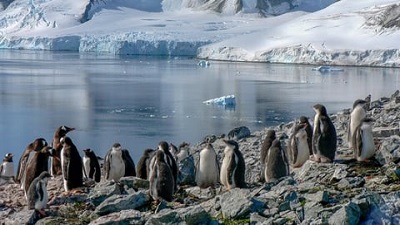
(319, 32)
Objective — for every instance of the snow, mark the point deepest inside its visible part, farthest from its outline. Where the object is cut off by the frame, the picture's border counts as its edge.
(228, 100)
(320, 32)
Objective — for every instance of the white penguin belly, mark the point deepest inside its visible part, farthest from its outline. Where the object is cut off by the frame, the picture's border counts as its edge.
(8, 169)
(224, 168)
(208, 170)
(41, 204)
(86, 166)
(62, 169)
(117, 168)
(356, 116)
(303, 153)
(368, 147)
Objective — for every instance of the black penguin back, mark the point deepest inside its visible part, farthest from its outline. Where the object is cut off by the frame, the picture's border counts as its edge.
(130, 169)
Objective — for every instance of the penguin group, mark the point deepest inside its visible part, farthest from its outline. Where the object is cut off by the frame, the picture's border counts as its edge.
(223, 167)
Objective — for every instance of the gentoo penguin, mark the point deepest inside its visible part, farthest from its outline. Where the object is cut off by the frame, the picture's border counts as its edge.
(143, 164)
(7, 169)
(170, 160)
(91, 166)
(207, 168)
(277, 163)
(363, 140)
(114, 166)
(304, 120)
(357, 114)
(36, 145)
(233, 167)
(161, 179)
(55, 161)
(130, 170)
(174, 150)
(271, 136)
(298, 148)
(324, 136)
(37, 193)
(38, 164)
(71, 164)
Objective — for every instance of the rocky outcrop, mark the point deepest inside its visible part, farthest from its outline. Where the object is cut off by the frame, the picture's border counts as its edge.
(342, 192)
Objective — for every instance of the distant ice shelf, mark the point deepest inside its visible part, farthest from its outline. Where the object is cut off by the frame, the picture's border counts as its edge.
(228, 100)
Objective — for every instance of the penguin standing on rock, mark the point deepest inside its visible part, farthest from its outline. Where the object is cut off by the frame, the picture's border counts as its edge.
(271, 136)
(207, 168)
(357, 114)
(38, 164)
(304, 120)
(277, 163)
(298, 147)
(130, 170)
(170, 160)
(91, 166)
(7, 169)
(114, 165)
(161, 179)
(324, 136)
(37, 193)
(233, 167)
(35, 146)
(71, 164)
(57, 145)
(143, 164)
(363, 140)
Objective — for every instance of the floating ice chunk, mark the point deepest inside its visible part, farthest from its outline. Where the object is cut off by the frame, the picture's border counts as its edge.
(228, 100)
(325, 69)
(204, 63)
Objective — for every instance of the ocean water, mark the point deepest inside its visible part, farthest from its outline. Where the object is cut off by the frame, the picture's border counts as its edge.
(140, 101)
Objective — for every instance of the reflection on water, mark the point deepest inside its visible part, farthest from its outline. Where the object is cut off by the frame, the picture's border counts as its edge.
(139, 101)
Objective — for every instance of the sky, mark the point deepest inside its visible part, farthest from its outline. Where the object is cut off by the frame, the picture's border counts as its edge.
(345, 32)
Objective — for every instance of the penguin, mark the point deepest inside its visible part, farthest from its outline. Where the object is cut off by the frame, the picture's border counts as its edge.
(91, 166)
(161, 179)
(233, 167)
(55, 161)
(271, 136)
(357, 114)
(114, 166)
(309, 129)
(38, 164)
(277, 165)
(130, 170)
(37, 193)
(7, 169)
(363, 140)
(71, 164)
(183, 152)
(174, 150)
(207, 168)
(324, 136)
(299, 150)
(170, 160)
(36, 145)
(143, 164)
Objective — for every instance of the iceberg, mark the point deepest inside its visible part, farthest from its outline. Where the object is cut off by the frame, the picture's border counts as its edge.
(326, 69)
(228, 100)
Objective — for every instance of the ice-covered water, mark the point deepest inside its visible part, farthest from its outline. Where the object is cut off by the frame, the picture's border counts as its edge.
(139, 101)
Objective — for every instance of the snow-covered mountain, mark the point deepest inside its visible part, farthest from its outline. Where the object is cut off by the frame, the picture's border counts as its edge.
(345, 32)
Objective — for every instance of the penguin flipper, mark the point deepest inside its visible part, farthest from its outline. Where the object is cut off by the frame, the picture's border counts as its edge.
(39, 191)
(357, 142)
(107, 165)
(294, 150)
(97, 175)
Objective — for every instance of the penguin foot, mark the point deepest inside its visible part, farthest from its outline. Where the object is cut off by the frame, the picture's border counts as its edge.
(41, 213)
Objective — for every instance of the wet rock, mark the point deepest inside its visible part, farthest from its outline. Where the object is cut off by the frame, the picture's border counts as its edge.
(346, 215)
(117, 203)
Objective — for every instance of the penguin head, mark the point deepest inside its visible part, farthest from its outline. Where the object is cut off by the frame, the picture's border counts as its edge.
(163, 145)
(271, 134)
(39, 143)
(45, 176)
(173, 148)
(87, 151)
(66, 140)
(320, 109)
(8, 157)
(359, 102)
(231, 144)
(303, 119)
(148, 152)
(63, 130)
(117, 146)
(209, 146)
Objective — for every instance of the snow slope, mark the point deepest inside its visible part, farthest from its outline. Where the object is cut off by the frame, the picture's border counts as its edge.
(346, 32)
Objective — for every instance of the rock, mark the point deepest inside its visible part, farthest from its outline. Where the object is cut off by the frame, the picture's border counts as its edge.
(384, 132)
(389, 150)
(117, 203)
(346, 215)
(192, 216)
(134, 183)
(236, 204)
(123, 217)
(318, 197)
(102, 191)
(187, 171)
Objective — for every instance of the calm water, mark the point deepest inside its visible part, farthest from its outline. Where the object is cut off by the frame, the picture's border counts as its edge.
(139, 101)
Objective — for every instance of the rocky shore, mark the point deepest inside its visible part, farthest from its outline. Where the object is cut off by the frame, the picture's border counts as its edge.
(342, 192)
